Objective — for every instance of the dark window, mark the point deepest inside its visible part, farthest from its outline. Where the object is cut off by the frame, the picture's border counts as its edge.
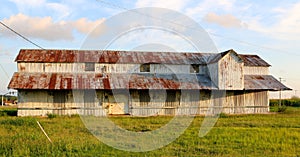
(144, 97)
(89, 66)
(194, 68)
(170, 103)
(104, 69)
(145, 68)
(171, 97)
(59, 102)
(59, 97)
(89, 96)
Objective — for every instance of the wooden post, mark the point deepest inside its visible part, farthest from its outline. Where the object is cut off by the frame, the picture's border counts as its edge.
(44, 131)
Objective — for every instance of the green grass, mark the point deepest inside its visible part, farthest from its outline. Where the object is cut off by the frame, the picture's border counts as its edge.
(275, 134)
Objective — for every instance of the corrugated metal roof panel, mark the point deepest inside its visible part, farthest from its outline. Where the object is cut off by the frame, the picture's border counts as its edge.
(109, 81)
(254, 60)
(132, 81)
(263, 82)
(108, 56)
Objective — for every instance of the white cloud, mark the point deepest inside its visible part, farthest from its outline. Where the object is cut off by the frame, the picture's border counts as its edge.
(45, 28)
(148, 37)
(287, 26)
(28, 3)
(84, 26)
(228, 20)
(59, 9)
(170, 4)
(39, 27)
(210, 5)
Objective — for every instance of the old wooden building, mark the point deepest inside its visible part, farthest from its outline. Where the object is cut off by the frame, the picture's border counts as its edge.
(140, 83)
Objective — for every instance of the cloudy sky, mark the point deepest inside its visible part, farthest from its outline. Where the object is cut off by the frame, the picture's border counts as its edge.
(268, 28)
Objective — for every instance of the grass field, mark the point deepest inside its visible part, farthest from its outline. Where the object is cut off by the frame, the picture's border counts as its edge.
(239, 135)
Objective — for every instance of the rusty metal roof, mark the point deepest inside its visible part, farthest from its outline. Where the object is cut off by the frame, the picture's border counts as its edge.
(215, 58)
(58, 81)
(109, 56)
(263, 82)
(254, 60)
(249, 60)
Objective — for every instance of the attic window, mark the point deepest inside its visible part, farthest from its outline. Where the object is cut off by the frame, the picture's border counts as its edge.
(145, 68)
(194, 68)
(89, 67)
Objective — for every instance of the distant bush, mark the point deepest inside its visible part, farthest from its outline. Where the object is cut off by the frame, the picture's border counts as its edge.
(51, 116)
(295, 97)
(223, 115)
(294, 102)
(282, 108)
(74, 115)
(8, 112)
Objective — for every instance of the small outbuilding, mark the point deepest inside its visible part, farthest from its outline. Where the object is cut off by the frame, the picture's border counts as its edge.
(102, 82)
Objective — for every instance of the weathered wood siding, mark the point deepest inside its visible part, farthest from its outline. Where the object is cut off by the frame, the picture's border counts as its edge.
(101, 103)
(78, 67)
(50, 67)
(238, 102)
(189, 102)
(117, 68)
(200, 102)
(257, 102)
(42, 102)
(168, 68)
(231, 76)
(62, 67)
(103, 68)
(213, 73)
(156, 104)
(252, 70)
(31, 67)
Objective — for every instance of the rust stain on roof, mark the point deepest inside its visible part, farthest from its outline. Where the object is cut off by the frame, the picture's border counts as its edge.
(109, 56)
(132, 81)
(254, 60)
(106, 84)
(52, 82)
(108, 81)
(263, 82)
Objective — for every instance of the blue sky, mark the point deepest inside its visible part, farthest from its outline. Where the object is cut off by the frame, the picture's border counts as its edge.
(267, 28)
